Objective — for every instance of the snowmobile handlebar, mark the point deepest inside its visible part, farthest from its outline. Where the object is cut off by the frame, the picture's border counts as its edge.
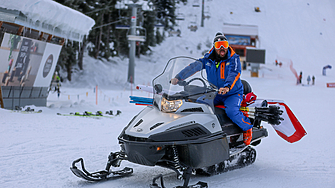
(180, 82)
(185, 83)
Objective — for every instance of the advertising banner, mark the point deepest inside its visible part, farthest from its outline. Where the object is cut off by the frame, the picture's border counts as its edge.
(331, 85)
(22, 59)
(48, 65)
(238, 40)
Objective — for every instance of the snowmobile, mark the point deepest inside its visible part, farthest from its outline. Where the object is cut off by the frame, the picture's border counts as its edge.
(180, 129)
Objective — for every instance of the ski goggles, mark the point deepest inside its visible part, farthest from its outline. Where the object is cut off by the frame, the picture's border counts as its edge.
(218, 44)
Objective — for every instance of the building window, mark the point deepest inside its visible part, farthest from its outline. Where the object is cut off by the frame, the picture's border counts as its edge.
(253, 42)
(240, 52)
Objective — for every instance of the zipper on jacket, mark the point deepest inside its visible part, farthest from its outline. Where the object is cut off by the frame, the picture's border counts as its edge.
(223, 65)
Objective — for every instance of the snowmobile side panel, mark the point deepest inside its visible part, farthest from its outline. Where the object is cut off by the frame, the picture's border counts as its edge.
(204, 154)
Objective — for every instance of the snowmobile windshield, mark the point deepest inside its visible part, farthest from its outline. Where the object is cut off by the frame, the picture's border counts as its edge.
(181, 78)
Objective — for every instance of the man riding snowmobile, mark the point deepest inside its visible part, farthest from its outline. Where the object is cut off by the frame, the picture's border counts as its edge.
(182, 130)
(223, 69)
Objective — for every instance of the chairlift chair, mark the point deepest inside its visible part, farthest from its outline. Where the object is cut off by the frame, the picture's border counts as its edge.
(137, 36)
(193, 26)
(180, 16)
(122, 27)
(207, 13)
(175, 31)
(158, 23)
(196, 3)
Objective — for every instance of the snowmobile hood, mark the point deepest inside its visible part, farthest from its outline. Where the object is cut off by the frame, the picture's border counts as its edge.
(151, 121)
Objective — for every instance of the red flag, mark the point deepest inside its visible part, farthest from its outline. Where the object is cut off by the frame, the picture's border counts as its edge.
(290, 128)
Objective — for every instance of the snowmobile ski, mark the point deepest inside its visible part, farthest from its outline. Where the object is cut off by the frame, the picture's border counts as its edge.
(99, 175)
(200, 184)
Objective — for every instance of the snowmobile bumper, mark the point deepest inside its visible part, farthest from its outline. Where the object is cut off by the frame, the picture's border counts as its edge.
(196, 153)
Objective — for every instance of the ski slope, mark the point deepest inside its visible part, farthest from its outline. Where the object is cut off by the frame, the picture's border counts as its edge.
(37, 149)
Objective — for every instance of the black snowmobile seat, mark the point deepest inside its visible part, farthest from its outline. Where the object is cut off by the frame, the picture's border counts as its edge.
(226, 123)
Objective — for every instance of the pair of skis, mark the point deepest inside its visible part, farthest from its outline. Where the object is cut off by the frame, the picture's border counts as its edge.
(28, 110)
(97, 115)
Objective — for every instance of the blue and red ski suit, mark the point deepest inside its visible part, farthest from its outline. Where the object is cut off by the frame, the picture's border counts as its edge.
(225, 73)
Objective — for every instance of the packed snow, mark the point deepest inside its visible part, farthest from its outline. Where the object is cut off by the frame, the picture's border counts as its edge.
(41, 12)
(37, 149)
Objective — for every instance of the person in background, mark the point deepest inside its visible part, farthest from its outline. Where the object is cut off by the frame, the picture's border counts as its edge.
(308, 79)
(300, 77)
(223, 69)
(313, 80)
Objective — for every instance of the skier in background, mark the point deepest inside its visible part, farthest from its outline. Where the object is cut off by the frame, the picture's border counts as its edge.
(300, 77)
(58, 84)
(313, 80)
(308, 79)
(225, 64)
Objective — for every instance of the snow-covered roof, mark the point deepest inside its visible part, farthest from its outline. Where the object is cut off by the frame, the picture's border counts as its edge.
(124, 4)
(239, 29)
(47, 16)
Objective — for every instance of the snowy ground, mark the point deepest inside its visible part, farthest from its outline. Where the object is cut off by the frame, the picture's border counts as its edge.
(37, 150)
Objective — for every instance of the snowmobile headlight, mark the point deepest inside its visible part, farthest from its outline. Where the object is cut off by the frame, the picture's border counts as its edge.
(170, 106)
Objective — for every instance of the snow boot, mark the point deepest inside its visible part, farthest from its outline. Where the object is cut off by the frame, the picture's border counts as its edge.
(247, 136)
